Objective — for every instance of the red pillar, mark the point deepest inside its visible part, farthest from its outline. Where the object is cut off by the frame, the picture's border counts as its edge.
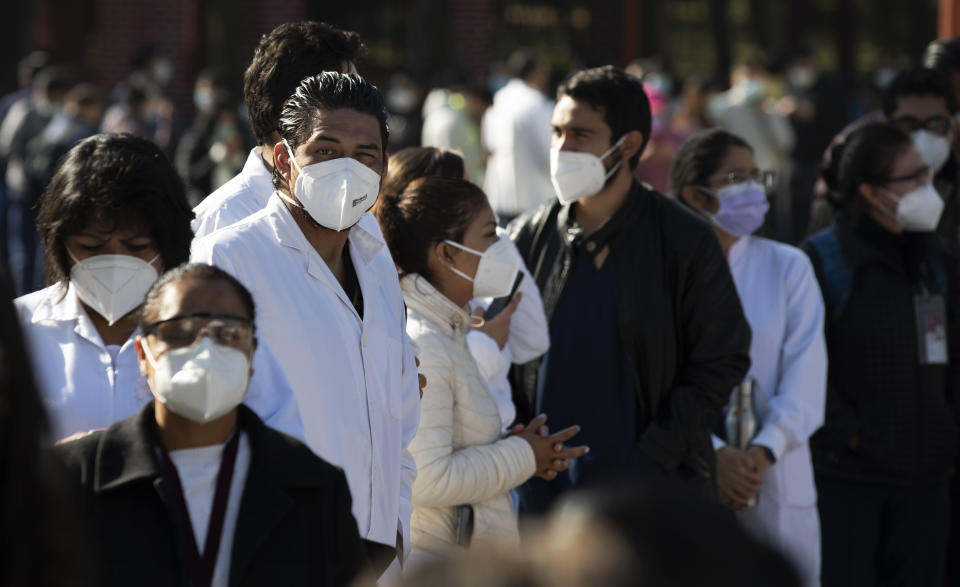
(949, 19)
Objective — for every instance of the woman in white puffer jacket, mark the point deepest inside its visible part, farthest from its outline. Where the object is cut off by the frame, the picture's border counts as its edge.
(442, 234)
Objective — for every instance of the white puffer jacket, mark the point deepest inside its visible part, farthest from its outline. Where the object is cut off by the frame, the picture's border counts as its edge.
(460, 454)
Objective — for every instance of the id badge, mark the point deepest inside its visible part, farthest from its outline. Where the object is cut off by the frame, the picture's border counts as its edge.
(931, 313)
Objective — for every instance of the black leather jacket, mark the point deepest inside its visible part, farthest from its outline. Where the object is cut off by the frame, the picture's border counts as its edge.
(680, 317)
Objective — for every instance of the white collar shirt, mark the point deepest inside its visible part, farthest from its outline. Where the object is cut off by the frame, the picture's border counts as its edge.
(245, 194)
(86, 388)
(354, 377)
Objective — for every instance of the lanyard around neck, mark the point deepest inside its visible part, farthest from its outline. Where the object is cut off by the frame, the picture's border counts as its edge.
(202, 566)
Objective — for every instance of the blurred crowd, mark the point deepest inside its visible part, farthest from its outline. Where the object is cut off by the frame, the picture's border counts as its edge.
(540, 328)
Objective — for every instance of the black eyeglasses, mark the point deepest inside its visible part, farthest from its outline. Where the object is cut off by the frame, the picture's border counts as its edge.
(936, 124)
(225, 329)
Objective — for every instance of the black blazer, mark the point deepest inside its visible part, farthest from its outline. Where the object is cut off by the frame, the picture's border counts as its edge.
(294, 526)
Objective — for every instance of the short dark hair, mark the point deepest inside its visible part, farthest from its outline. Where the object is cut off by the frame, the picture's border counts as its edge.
(120, 179)
(943, 55)
(700, 156)
(866, 156)
(430, 210)
(200, 271)
(284, 57)
(329, 90)
(621, 97)
(918, 81)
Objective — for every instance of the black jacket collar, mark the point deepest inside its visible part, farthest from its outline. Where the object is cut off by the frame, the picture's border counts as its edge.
(126, 454)
(572, 233)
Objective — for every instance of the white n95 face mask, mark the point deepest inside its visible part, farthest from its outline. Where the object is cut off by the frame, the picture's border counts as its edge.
(934, 149)
(580, 175)
(112, 285)
(336, 192)
(496, 271)
(918, 210)
(200, 382)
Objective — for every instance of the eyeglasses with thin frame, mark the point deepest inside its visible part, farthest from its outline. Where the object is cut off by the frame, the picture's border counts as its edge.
(937, 124)
(918, 177)
(225, 329)
(764, 177)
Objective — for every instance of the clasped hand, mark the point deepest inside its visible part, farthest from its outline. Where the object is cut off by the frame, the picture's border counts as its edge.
(552, 455)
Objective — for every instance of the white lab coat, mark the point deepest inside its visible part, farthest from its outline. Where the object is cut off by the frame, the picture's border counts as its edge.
(245, 194)
(517, 132)
(354, 377)
(783, 304)
(85, 387)
(529, 339)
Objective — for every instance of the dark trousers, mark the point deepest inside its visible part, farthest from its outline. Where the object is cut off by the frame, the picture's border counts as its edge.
(883, 535)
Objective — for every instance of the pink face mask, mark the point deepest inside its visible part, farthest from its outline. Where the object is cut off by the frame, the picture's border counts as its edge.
(743, 207)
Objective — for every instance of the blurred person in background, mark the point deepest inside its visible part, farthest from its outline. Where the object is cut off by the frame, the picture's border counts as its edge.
(921, 103)
(641, 306)
(140, 105)
(715, 175)
(331, 305)
(943, 55)
(195, 488)
(404, 98)
(83, 108)
(284, 57)
(442, 234)
(113, 217)
(518, 333)
(816, 106)
(39, 529)
(516, 133)
(451, 120)
(213, 149)
(888, 445)
(746, 111)
(49, 89)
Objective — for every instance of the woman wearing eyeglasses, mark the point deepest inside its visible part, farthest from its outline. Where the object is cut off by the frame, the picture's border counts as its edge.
(885, 454)
(195, 489)
(114, 216)
(770, 484)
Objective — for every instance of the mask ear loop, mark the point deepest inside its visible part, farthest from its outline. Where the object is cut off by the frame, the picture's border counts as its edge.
(476, 321)
(618, 164)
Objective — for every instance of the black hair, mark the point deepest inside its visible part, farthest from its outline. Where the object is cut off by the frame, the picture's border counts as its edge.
(943, 55)
(918, 81)
(412, 163)
(866, 156)
(38, 528)
(282, 59)
(699, 158)
(329, 90)
(429, 211)
(619, 95)
(120, 179)
(199, 271)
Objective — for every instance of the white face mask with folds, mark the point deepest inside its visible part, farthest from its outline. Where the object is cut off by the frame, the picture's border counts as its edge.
(496, 271)
(580, 175)
(200, 382)
(336, 192)
(918, 210)
(934, 149)
(112, 285)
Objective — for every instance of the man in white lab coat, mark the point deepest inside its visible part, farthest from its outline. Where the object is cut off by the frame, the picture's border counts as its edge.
(516, 131)
(329, 298)
(285, 56)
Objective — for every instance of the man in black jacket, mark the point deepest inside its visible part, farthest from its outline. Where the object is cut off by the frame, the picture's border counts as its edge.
(195, 490)
(647, 334)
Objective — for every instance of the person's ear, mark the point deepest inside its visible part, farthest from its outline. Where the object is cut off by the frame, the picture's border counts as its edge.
(281, 160)
(872, 196)
(631, 145)
(445, 253)
(142, 361)
(697, 199)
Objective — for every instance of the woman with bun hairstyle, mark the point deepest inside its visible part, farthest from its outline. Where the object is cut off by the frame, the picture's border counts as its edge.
(442, 235)
(886, 451)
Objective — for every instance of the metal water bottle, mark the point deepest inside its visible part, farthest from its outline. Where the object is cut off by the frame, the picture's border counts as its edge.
(741, 421)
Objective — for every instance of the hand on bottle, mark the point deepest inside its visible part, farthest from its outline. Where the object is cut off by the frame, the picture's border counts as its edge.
(738, 479)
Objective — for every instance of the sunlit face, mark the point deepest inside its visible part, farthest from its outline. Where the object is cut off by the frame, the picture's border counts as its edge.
(738, 161)
(343, 132)
(579, 127)
(480, 234)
